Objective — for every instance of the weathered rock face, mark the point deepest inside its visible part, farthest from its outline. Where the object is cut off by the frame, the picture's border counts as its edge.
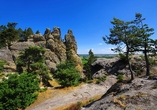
(19, 47)
(56, 48)
(115, 66)
(103, 66)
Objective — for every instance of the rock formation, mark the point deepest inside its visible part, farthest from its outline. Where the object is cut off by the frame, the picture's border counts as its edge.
(56, 48)
(103, 66)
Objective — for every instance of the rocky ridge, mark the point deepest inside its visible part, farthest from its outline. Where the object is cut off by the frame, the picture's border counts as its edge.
(56, 48)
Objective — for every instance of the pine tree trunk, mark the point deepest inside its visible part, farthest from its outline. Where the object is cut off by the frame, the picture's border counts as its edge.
(130, 67)
(147, 64)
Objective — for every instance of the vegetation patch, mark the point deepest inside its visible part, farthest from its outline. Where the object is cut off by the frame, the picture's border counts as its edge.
(66, 74)
(18, 91)
(120, 77)
(79, 104)
(1, 65)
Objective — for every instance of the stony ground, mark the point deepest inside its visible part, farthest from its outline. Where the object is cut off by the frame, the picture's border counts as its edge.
(141, 94)
(85, 91)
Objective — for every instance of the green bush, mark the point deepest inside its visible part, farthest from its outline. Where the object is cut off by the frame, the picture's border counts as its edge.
(1, 65)
(122, 57)
(66, 75)
(152, 61)
(98, 81)
(101, 79)
(18, 91)
(120, 77)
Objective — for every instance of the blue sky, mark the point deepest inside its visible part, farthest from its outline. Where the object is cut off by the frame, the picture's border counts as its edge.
(88, 19)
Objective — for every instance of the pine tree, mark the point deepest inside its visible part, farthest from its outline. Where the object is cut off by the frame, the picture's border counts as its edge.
(144, 40)
(122, 36)
(33, 60)
(8, 34)
(87, 66)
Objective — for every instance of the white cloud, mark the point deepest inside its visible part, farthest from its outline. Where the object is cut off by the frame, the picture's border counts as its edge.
(100, 44)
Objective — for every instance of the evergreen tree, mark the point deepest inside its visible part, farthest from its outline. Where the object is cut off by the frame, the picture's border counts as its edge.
(25, 33)
(37, 32)
(144, 40)
(122, 35)
(33, 60)
(8, 34)
(87, 66)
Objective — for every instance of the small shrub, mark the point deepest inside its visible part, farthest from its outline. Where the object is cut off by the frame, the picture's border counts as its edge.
(43, 90)
(90, 81)
(91, 100)
(152, 61)
(1, 65)
(120, 77)
(101, 79)
(98, 81)
(122, 57)
(79, 104)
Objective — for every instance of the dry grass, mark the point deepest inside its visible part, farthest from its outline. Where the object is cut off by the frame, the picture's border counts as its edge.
(122, 97)
(78, 105)
(117, 101)
(50, 93)
(139, 109)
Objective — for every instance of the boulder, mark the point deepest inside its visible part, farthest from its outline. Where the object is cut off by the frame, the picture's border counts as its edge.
(41, 44)
(38, 37)
(111, 66)
(5, 54)
(30, 38)
(51, 65)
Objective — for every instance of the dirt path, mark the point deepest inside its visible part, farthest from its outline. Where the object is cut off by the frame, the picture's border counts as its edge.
(85, 91)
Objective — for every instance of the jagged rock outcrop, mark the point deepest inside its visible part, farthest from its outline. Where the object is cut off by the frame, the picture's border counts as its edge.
(55, 44)
(56, 48)
(71, 46)
(70, 41)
